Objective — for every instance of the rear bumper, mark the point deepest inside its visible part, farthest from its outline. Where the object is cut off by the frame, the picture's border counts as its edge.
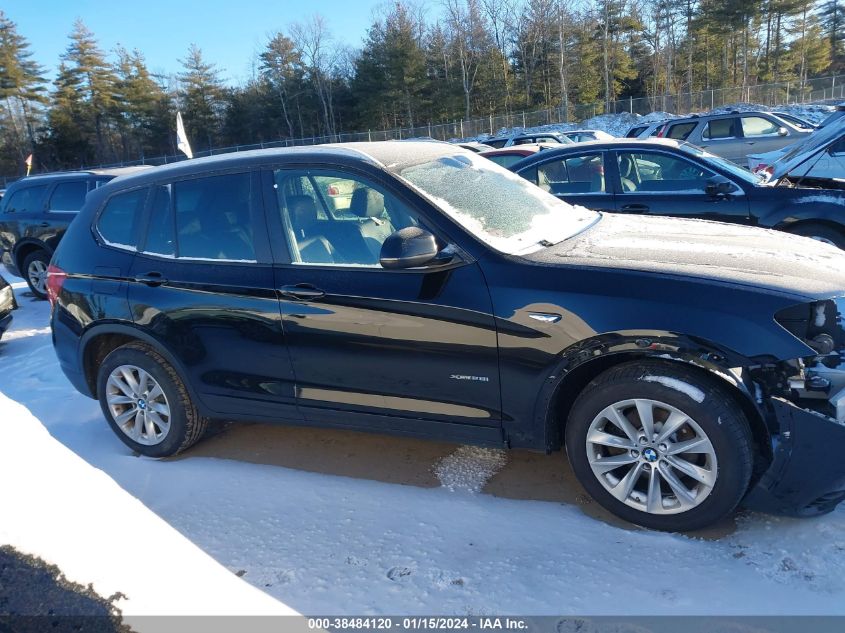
(66, 346)
(807, 474)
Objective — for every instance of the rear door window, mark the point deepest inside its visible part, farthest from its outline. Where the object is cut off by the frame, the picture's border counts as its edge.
(213, 218)
(719, 128)
(68, 196)
(25, 200)
(636, 131)
(118, 221)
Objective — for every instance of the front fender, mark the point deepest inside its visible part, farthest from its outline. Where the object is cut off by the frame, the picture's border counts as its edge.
(578, 364)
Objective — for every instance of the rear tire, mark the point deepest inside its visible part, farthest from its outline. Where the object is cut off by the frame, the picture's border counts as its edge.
(682, 445)
(35, 272)
(146, 403)
(820, 232)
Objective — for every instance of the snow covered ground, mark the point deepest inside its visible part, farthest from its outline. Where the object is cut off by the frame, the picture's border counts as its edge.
(323, 543)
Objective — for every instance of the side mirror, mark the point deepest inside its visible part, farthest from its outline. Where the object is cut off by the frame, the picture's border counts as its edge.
(782, 131)
(717, 187)
(408, 248)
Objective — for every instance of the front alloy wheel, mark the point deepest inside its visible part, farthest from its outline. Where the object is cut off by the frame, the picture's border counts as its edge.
(661, 445)
(651, 456)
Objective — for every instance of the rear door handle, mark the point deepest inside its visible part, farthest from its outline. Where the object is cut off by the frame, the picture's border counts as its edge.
(152, 278)
(302, 292)
(635, 207)
(44, 225)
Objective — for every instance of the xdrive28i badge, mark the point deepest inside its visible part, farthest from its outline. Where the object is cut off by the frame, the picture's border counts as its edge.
(473, 378)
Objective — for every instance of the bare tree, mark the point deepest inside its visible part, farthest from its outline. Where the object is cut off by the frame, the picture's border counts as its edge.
(319, 57)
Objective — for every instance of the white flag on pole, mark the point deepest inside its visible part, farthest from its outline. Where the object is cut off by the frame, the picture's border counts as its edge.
(182, 138)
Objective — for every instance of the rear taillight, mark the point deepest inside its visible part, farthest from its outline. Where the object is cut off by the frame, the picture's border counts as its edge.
(55, 280)
(661, 131)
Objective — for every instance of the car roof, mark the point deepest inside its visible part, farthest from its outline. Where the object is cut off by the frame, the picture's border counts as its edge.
(392, 155)
(648, 142)
(82, 173)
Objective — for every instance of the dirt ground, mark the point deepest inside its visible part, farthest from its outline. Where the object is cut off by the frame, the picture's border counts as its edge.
(407, 461)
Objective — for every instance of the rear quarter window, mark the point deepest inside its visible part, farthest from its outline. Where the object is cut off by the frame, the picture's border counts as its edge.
(118, 221)
(681, 131)
(24, 200)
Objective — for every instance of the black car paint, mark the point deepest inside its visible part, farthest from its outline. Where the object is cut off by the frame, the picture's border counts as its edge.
(781, 208)
(480, 367)
(37, 229)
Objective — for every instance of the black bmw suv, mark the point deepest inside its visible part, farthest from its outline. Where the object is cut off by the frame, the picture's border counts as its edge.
(417, 288)
(34, 214)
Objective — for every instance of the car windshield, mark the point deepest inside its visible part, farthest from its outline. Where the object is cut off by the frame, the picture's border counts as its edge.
(724, 163)
(505, 211)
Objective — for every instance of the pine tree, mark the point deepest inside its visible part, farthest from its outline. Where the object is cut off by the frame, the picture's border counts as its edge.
(21, 92)
(89, 73)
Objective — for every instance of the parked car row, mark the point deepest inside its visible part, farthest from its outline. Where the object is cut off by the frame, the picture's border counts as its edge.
(685, 366)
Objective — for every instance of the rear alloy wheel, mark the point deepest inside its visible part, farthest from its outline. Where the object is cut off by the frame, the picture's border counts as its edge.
(146, 402)
(35, 272)
(137, 405)
(660, 445)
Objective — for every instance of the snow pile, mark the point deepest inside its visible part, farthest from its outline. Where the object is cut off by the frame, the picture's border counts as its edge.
(58, 507)
(469, 468)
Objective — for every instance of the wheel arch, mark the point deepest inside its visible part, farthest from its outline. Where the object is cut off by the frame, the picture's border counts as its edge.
(97, 342)
(572, 376)
(27, 246)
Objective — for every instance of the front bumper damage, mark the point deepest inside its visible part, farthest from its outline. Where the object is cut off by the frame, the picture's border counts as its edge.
(803, 401)
(807, 473)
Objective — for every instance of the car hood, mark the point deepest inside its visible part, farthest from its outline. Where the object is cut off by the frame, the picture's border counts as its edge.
(715, 251)
(807, 147)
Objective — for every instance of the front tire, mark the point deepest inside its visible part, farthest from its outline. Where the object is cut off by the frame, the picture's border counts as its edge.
(660, 445)
(35, 272)
(146, 403)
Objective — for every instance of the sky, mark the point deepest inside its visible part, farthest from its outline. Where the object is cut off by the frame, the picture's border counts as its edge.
(229, 32)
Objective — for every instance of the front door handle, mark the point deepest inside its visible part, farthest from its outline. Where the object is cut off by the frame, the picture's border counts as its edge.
(152, 278)
(635, 208)
(302, 292)
(44, 225)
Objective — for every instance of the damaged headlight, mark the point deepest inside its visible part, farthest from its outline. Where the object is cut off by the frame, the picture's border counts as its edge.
(819, 379)
(818, 324)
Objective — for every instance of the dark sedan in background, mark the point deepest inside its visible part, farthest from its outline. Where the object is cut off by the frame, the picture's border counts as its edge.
(666, 177)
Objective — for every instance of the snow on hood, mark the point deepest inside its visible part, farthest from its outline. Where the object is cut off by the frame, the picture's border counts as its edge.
(709, 250)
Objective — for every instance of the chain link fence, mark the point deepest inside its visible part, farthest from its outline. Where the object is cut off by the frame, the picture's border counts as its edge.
(821, 89)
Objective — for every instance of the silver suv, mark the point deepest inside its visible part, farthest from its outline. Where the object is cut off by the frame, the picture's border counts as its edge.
(734, 135)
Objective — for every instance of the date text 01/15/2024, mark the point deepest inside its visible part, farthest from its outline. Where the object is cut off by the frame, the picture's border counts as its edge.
(418, 623)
